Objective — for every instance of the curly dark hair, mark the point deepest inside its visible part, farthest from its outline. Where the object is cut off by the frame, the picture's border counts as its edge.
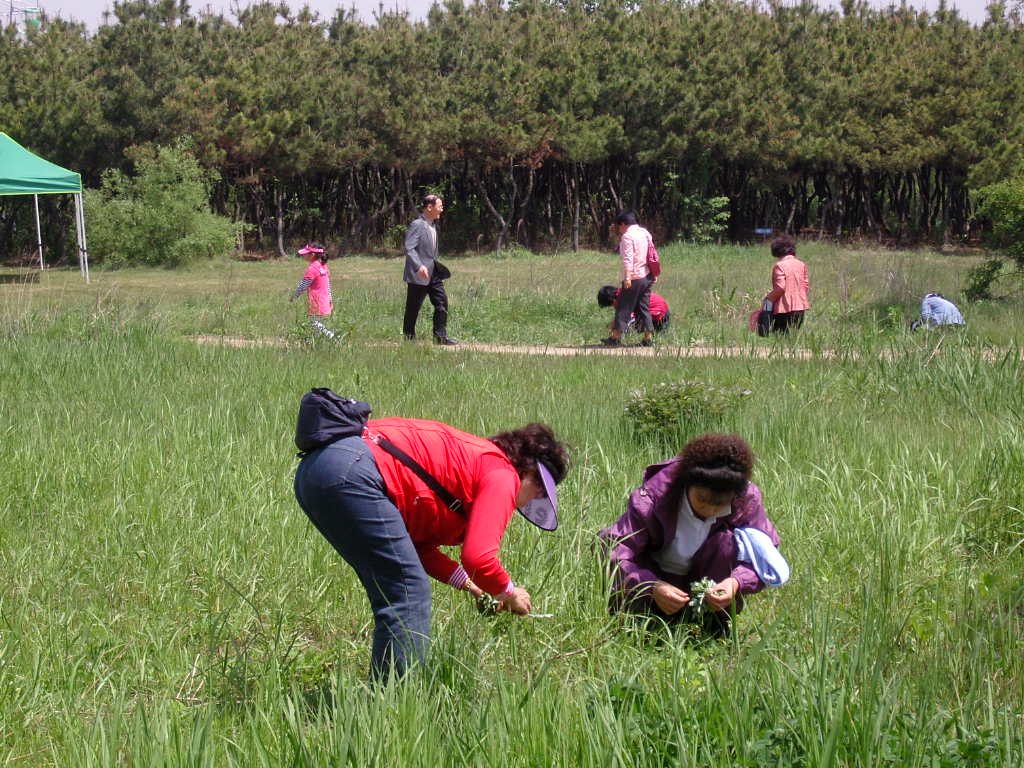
(606, 296)
(528, 445)
(719, 462)
(783, 246)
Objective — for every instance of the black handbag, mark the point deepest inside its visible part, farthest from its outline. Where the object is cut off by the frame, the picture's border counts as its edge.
(764, 320)
(441, 272)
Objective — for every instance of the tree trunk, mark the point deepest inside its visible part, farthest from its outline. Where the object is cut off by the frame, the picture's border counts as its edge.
(575, 197)
(482, 189)
(279, 206)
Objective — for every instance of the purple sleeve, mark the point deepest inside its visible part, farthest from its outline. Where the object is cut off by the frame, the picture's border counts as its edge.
(630, 543)
(750, 514)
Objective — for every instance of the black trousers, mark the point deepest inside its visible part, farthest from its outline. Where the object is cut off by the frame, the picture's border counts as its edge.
(636, 300)
(782, 322)
(414, 300)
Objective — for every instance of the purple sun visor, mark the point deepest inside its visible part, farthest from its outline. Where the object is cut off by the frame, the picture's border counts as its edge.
(543, 510)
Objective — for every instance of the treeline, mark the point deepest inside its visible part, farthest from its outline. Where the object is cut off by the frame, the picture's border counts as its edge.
(537, 119)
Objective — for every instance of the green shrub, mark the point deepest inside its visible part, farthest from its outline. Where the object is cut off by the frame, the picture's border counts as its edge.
(702, 220)
(1002, 205)
(161, 216)
(668, 410)
(981, 277)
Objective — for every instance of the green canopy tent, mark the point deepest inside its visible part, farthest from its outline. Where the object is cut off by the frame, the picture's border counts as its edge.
(23, 173)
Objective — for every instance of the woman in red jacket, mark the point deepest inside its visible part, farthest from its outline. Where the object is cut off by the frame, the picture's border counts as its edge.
(387, 523)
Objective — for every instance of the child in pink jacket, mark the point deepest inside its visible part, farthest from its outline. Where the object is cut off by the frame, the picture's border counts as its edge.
(788, 296)
(317, 281)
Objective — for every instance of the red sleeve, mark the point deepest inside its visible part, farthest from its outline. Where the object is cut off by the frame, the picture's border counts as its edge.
(778, 284)
(312, 271)
(436, 563)
(493, 505)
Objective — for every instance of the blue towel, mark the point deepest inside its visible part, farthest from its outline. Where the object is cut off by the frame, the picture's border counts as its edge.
(754, 547)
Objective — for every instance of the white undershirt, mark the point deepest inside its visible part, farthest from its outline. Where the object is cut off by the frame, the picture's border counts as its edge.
(691, 533)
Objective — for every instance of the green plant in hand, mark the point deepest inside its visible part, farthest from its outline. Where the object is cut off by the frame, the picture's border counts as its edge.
(698, 605)
(487, 605)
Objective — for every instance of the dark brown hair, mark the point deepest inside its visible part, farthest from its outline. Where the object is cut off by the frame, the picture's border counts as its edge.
(719, 462)
(528, 445)
(626, 217)
(606, 296)
(783, 246)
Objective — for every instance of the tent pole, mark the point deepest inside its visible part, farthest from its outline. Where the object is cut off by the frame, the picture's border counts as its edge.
(39, 233)
(78, 236)
(83, 248)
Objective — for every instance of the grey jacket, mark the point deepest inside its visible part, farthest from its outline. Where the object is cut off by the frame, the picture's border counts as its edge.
(420, 250)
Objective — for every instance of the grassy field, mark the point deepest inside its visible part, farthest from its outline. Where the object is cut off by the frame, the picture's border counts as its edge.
(166, 603)
(857, 296)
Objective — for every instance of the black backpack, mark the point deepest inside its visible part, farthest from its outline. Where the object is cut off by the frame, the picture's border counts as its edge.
(325, 417)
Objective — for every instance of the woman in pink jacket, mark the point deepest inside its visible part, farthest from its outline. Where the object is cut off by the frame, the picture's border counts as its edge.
(788, 296)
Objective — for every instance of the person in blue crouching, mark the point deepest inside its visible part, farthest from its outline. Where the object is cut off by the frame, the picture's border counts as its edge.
(937, 310)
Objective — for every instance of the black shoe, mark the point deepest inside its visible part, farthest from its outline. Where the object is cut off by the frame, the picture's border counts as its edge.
(445, 341)
(611, 341)
(409, 336)
(647, 343)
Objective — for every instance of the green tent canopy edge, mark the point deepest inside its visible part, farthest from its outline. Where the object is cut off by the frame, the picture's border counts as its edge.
(25, 173)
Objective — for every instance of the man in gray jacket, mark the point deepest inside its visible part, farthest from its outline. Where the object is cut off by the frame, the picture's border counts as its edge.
(424, 276)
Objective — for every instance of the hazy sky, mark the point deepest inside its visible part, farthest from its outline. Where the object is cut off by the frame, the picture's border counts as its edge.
(90, 11)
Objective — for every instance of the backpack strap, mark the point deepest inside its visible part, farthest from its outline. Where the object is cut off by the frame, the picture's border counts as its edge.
(454, 504)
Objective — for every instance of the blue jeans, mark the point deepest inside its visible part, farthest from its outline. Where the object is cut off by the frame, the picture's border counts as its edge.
(341, 490)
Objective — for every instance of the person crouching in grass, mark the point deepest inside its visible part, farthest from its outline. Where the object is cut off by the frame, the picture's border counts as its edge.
(695, 517)
(608, 296)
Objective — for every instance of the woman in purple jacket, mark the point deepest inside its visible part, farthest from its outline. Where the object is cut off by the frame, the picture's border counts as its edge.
(678, 529)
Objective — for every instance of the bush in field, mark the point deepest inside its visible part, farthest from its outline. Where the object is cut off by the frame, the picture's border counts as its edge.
(981, 277)
(665, 409)
(160, 216)
(1002, 205)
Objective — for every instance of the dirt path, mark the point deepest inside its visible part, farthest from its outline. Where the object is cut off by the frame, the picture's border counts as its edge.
(780, 352)
(237, 341)
(548, 350)
(551, 350)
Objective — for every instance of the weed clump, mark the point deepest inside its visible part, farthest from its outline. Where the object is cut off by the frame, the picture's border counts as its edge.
(669, 409)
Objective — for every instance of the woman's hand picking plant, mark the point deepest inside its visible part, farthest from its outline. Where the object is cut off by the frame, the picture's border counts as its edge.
(722, 594)
(518, 602)
(668, 598)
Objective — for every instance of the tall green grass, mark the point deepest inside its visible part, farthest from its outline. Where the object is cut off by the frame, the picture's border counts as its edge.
(166, 603)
